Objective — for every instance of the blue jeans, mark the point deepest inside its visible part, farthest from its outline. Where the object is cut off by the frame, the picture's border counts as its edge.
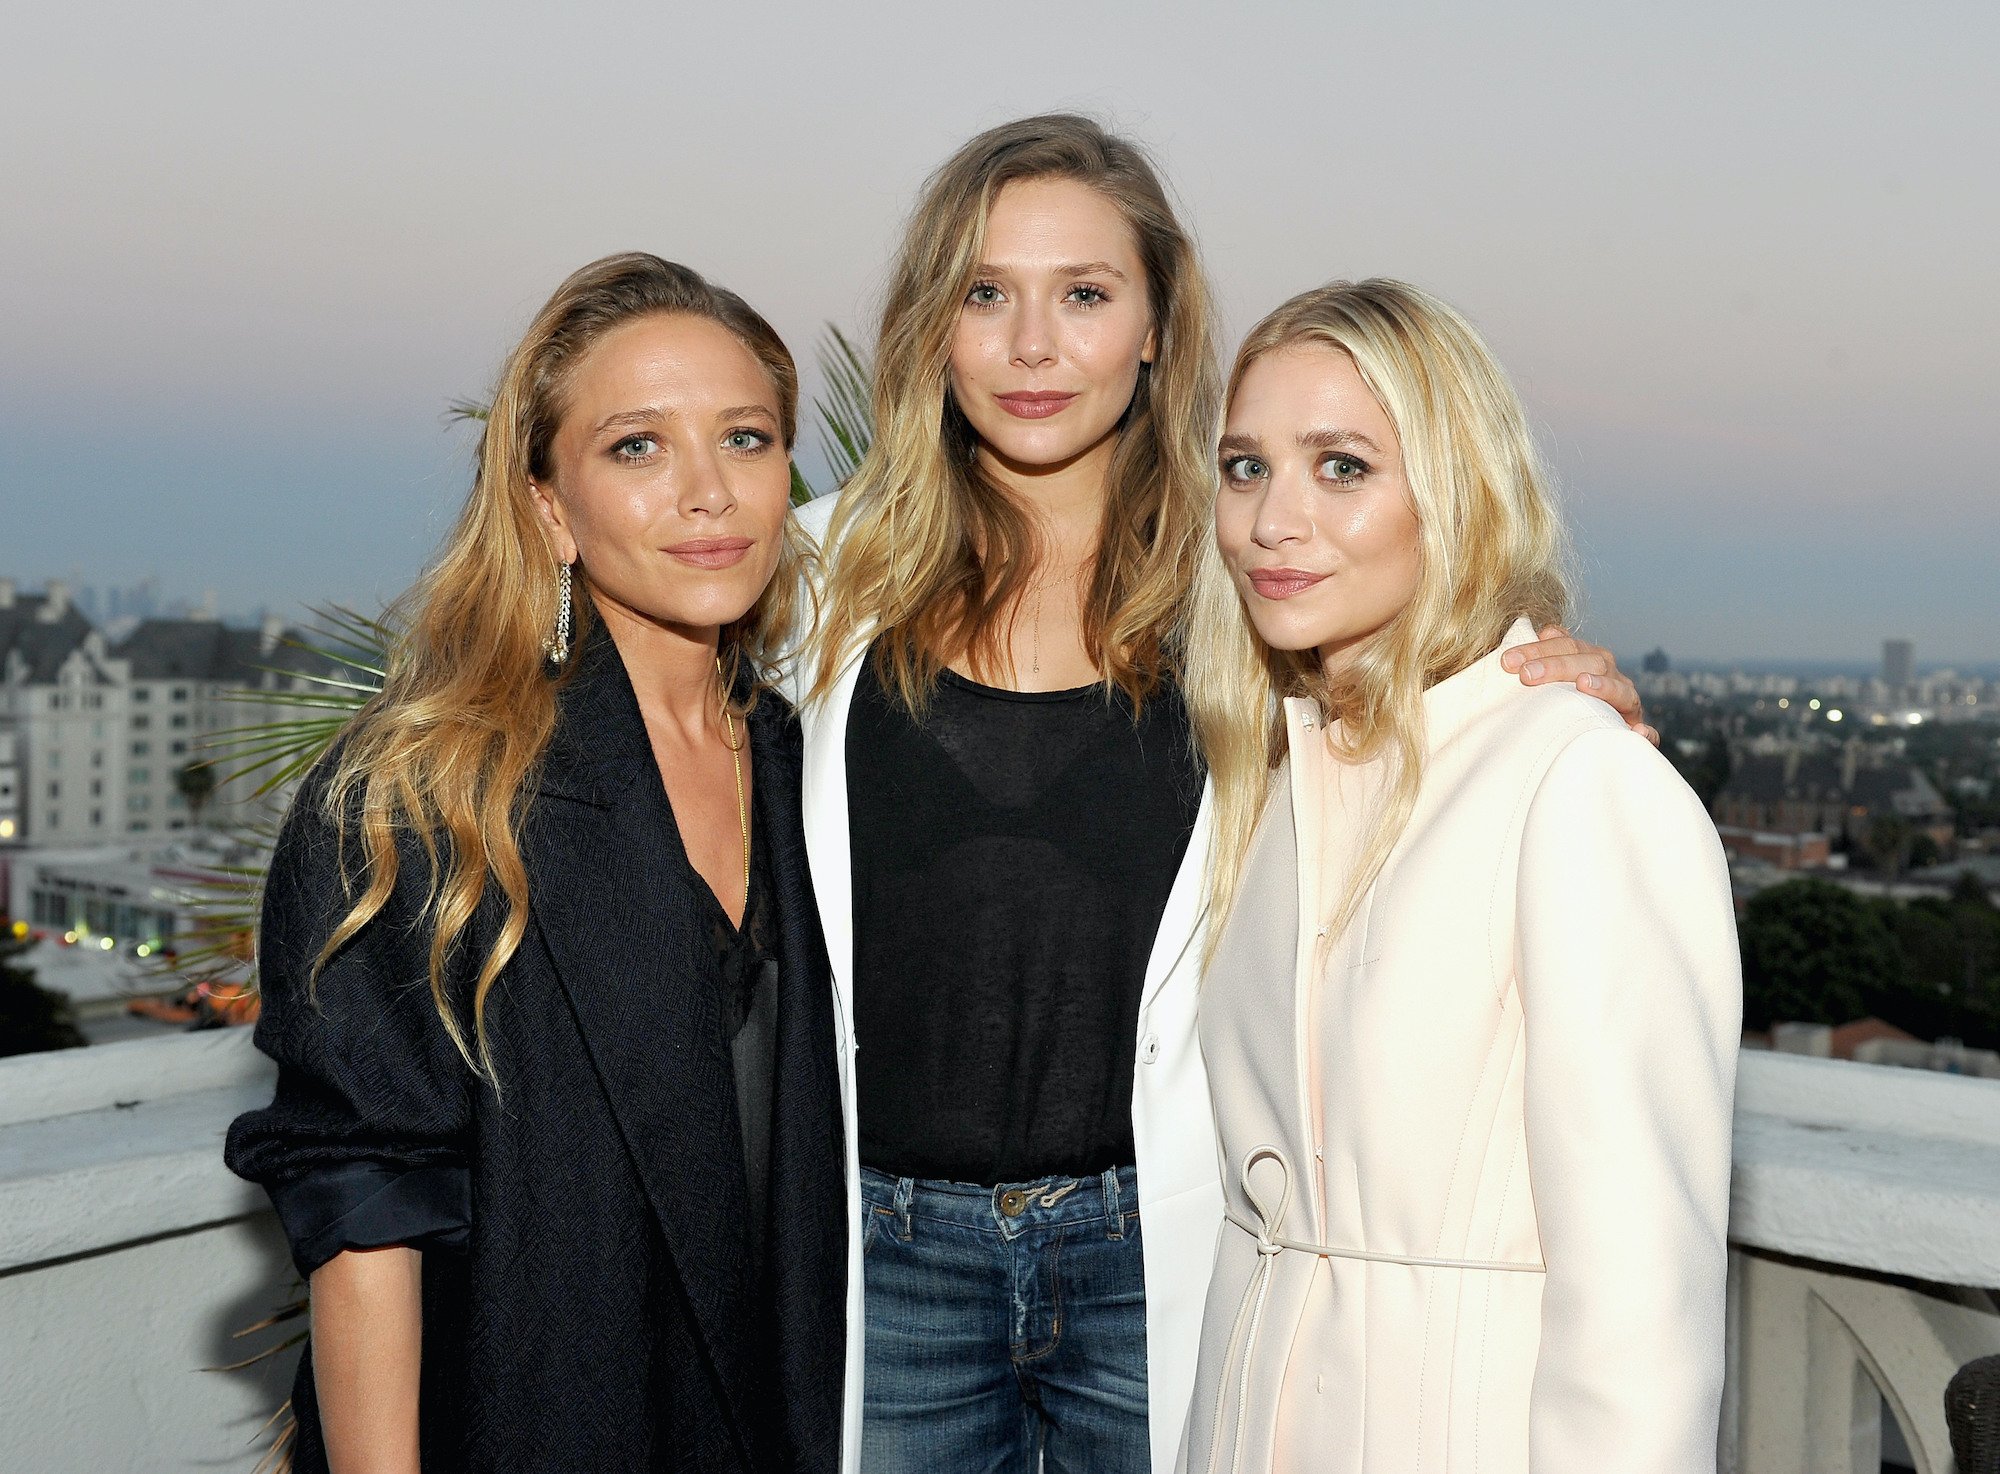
(1006, 1327)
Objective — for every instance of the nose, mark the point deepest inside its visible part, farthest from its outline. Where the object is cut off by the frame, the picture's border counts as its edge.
(1032, 335)
(1284, 513)
(705, 487)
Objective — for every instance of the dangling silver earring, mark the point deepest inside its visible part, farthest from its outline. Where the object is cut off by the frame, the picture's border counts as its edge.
(557, 649)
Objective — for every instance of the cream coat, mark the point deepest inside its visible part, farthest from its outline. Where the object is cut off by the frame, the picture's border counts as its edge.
(1180, 1202)
(1476, 1149)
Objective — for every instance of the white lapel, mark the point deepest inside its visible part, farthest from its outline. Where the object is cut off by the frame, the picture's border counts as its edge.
(1187, 903)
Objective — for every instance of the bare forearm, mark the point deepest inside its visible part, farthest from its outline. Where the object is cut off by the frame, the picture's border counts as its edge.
(367, 1343)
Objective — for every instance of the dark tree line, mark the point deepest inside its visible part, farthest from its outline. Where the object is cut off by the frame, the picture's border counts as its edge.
(1815, 952)
(32, 1018)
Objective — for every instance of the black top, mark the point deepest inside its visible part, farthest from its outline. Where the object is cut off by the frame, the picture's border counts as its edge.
(602, 1312)
(747, 974)
(1012, 856)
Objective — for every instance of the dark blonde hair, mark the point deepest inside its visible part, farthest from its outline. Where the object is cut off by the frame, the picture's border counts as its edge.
(928, 554)
(448, 748)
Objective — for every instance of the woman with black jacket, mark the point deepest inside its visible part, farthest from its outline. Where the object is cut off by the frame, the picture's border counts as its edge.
(556, 1133)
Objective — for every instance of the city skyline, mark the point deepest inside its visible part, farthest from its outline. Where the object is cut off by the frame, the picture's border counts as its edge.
(1734, 260)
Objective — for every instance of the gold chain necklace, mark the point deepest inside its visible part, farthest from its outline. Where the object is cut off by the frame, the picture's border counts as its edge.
(742, 808)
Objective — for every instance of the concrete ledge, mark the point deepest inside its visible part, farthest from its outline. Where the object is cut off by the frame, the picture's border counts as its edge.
(1869, 1166)
(122, 1142)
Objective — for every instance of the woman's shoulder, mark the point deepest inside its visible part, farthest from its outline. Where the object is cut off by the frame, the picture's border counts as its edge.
(816, 516)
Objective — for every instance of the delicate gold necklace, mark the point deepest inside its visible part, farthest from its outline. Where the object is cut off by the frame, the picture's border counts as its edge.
(742, 808)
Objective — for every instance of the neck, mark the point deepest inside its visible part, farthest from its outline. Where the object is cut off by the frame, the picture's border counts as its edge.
(1064, 499)
(671, 667)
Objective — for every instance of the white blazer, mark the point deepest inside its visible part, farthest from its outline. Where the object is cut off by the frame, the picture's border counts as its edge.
(1180, 1197)
(1478, 1144)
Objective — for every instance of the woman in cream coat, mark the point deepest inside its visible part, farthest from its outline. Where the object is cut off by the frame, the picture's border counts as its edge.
(1476, 1174)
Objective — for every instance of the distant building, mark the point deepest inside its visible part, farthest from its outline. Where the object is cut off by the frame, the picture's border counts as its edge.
(94, 738)
(1656, 662)
(62, 697)
(1898, 662)
(1800, 791)
(1871, 1041)
(1808, 850)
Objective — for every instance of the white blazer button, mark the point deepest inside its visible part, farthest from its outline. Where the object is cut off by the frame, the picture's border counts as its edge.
(1149, 1049)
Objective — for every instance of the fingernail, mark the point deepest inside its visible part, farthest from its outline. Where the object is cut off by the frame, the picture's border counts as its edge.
(1511, 660)
(1593, 682)
(1534, 669)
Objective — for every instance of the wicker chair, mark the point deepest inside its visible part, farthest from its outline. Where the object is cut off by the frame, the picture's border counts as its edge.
(1972, 1413)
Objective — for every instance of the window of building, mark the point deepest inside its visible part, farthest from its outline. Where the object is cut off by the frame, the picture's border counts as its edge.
(141, 749)
(97, 818)
(97, 759)
(142, 693)
(97, 788)
(55, 789)
(141, 722)
(55, 818)
(180, 720)
(179, 748)
(177, 824)
(138, 803)
(180, 693)
(139, 775)
(95, 701)
(138, 826)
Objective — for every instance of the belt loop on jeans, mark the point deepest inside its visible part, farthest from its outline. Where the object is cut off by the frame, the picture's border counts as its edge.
(1114, 1212)
(904, 1187)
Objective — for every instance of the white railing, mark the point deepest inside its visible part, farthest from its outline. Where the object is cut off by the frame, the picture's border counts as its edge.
(1865, 1228)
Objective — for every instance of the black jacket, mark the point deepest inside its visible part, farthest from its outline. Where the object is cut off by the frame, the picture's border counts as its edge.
(588, 1304)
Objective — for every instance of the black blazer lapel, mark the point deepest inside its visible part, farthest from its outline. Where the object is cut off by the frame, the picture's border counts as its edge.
(612, 901)
(809, 1228)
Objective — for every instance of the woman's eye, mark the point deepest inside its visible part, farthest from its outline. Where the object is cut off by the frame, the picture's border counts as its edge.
(983, 294)
(1243, 468)
(1344, 468)
(746, 440)
(635, 447)
(1088, 295)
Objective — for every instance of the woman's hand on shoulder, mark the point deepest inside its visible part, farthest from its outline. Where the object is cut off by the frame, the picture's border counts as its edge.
(1560, 656)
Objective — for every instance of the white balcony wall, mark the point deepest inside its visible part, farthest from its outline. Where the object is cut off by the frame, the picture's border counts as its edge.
(1865, 1252)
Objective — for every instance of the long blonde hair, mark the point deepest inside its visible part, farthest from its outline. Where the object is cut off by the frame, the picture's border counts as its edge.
(1492, 549)
(447, 752)
(930, 555)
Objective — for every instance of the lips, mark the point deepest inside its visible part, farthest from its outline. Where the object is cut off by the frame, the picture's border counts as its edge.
(1034, 404)
(1283, 583)
(711, 552)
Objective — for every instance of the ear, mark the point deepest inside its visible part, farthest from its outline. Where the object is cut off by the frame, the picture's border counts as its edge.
(1152, 348)
(552, 518)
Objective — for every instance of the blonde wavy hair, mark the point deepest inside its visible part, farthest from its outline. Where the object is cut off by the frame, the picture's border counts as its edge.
(448, 751)
(1492, 549)
(931, 557)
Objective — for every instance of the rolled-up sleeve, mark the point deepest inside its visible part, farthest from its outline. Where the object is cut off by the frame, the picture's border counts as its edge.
(364, 1144)
(1631, 996)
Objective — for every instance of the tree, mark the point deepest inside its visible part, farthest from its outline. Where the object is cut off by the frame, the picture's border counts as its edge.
(32, 1018)
(196, 783)
(1888, 843)
(1814, 952)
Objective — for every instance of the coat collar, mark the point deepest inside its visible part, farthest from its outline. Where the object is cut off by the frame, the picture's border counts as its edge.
(1448, 706)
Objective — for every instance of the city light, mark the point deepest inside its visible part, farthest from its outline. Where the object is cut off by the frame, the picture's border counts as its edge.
(1915, 719)
(1784, 703)
(144, 950)
(6, 828)
(1834, 715)
(20, 930)
(1814, 703)
(105, 944)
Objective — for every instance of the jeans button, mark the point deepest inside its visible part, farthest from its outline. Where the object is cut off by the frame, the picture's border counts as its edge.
(1013, 1202)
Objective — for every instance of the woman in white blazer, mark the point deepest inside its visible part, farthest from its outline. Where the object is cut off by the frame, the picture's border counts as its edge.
(1008, 823)
(1476, 1167)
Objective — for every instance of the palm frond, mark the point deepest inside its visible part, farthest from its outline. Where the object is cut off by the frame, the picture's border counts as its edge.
(846, 415)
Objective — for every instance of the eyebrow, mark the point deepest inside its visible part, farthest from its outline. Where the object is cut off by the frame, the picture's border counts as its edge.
(1308, 440)
(651, 412)
(1081, 268)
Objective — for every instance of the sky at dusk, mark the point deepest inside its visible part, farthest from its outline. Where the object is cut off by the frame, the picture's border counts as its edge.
(1739, 259)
